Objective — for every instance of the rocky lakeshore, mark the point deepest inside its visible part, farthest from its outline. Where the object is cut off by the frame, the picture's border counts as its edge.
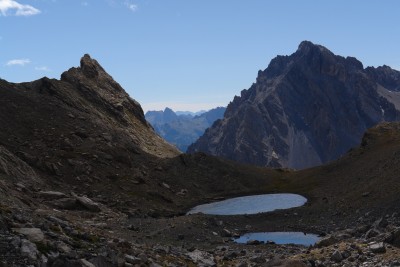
(103, 237)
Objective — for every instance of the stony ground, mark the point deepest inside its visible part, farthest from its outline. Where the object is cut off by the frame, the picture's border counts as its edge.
(95, 235)
(359, 224)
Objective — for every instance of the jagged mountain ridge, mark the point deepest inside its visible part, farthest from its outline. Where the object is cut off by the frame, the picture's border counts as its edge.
(304, 110)
(182, 130)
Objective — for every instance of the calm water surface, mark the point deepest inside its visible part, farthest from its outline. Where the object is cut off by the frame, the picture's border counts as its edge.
(297, 238)
(251, 204)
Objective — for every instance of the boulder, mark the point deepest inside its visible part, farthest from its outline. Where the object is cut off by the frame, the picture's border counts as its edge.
(86, 263)
(33, 234)
(132, 259)
(29, 249)
(377, 247)
(63, 248)
(201, 258)
(336, 256)
(88, 203)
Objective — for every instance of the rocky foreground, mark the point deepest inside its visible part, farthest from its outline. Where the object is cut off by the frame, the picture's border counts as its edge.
(99, 236)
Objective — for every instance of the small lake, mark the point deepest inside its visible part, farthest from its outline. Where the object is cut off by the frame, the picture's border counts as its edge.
(282, 238)
(251, 204)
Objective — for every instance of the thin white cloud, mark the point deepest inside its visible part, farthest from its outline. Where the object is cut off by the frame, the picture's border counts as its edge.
(12, 7)
(131, 6)
(43, 68)
(84, 3)
(18, 62)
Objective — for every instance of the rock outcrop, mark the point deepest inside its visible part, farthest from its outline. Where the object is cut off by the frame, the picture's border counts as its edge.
(304, 110)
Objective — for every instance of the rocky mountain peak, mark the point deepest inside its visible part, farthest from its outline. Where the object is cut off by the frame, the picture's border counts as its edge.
(169, 115)
(311, 57)
(90, 71)
(90, 67)
(305, 109)
(306, 46)
(169, 111)
(96, 85)
(309, 48)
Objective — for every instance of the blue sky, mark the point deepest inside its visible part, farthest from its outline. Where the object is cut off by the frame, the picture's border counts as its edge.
(187, 54)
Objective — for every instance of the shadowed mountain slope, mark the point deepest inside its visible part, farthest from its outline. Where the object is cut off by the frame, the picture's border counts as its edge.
(84, 134)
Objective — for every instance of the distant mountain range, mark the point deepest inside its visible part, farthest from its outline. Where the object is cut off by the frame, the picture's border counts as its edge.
(304, 110)
(189, 113)
(182, 128)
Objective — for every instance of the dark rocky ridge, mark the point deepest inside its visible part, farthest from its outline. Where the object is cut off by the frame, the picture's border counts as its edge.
(81, 133)
(304, 110)
(84, 98)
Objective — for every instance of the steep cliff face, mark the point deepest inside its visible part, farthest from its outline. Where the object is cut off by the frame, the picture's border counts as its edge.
(304, 110)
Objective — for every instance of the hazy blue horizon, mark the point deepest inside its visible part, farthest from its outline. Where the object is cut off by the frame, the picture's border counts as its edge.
(187, 55)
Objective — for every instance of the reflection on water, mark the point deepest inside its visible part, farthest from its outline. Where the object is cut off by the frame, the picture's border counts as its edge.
(297, 238)
(251, 204)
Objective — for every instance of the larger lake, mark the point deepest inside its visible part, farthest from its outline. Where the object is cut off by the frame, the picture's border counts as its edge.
(251, 204)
